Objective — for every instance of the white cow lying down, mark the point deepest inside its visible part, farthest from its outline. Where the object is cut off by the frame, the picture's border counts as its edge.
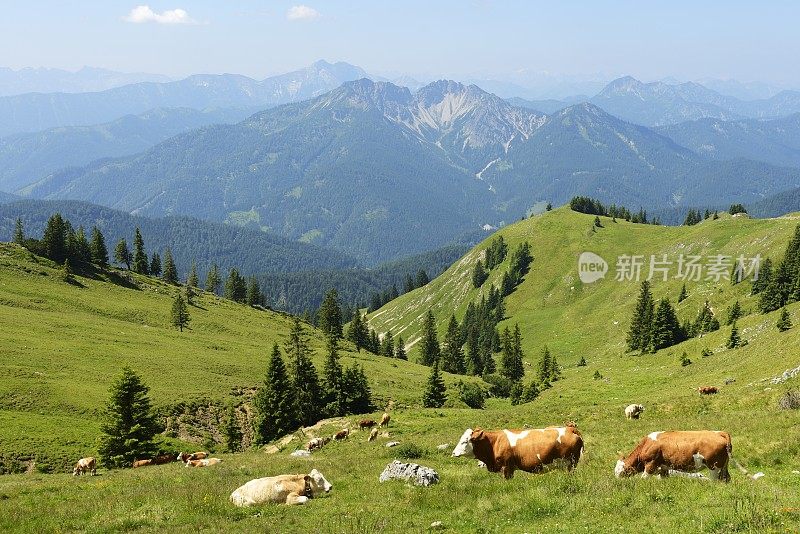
(289, 489)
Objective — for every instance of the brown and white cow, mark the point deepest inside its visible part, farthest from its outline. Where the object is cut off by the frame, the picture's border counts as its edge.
(708, 390)
(203, 462)
(142, 463)
(633, 411)
(317, 443)
(342, 434)
(85, 465)
(185, 456)
(289, 489)
(685, 451)
(530, 450)
(366, 423)
(373, 435)
(385, 419)
(164, 459)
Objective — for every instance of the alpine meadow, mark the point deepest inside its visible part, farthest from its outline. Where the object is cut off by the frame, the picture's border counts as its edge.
(476, 278)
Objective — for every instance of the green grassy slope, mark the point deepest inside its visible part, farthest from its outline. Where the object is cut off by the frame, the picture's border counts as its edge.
(551, 307)
(62, 344)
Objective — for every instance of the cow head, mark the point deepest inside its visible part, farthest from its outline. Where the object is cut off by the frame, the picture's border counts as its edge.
(318, 483)
(76, 471)
(464, 446)
(622, 470)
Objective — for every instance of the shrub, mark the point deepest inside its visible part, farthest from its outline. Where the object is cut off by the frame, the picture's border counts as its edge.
(582, 362)
(597, 375)
(471, 394)
(685, 360)
(409, 451)
(790, 400)
(499, 386)
(516, 393)
(705, 353)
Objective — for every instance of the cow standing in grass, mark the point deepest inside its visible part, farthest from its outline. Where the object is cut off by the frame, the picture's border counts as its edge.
(685, 451)
(633, 411)
(85, 465)
(531, 450)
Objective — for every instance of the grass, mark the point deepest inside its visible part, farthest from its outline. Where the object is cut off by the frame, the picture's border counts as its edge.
(551, 307)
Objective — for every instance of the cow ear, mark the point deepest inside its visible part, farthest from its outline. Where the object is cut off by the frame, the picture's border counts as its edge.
(477, 434)
(307, 478)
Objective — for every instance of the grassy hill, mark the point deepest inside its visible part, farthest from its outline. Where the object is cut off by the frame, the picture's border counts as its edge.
(63, 344)
(552, 307)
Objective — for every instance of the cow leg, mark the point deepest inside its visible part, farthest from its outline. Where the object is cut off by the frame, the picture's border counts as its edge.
(650, 469)
(507, 472)
(294, 498)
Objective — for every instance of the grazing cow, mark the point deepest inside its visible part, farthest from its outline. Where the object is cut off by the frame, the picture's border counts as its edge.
(164, 459)
(708, 390)
(142, 463)
(366, 423)
(317, 443)
(633, 411)
(342, 434)
(289, 489)
(185, 456)
(385, 419)
(373, 434)
(85, 465)
(689, 451)
(530, 450)
(204, 462)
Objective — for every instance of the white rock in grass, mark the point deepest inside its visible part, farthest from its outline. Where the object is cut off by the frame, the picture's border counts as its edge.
(416, 474)
(301, 453)
(436, 525)
(393, 444)
(443, 446)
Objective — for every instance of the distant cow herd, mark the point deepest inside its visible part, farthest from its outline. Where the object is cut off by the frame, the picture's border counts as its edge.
(533, 450)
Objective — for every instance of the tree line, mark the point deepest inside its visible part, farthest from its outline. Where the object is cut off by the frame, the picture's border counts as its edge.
(592, 206)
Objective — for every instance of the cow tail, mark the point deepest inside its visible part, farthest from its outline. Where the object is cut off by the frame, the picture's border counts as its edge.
(740, 467)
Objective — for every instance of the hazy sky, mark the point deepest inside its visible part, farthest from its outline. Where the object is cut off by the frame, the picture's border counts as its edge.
(747, 40)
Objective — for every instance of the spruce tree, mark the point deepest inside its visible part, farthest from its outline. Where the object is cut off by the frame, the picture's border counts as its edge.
(19, 234)
(705, 322)
(330, 315)
(82, 251)
(67, 272)
(54, 240)
(682, 295)
(555, 369)
(357, 390)
(479, 275)
(734, 313)
(430, 351)
(333, 380)
(192, 280)
(640, 332)
(531, 392)
(304, 375)
(435, 393)
(122, 254)
(452, 355)
(235, 286)
(784, 322)
(545, 369)
(734, 340)
(666, 330)
(231, 431)
(170, 275)
(511, 357)
(764, 276)
(98, 249)
(275, 403)
(387, 345)
(129, 424)
(155, 265)
(400, 349)
(140, 264)
(422, 278)
(180, 313)
(213, 279)
(354, 331)
(253, 296)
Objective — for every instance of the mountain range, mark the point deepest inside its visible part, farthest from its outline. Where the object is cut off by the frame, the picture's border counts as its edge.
(85, 80)
(34, 112)
(372, 169)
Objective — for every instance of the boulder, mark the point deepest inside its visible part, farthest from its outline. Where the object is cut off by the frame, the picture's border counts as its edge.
(443, 446)
(393, 444)
(301, 453)
(413, 473)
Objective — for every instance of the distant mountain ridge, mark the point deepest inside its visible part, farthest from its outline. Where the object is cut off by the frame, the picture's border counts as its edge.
(36, 111)
(372, 169)
(85, 80)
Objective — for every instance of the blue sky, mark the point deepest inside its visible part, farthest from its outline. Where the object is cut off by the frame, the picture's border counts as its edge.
(460, 39)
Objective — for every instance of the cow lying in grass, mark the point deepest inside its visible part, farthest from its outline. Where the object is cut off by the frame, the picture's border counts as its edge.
(185, 456)
(531, 450)
(289, 489)
(685, 451)
(205, 462)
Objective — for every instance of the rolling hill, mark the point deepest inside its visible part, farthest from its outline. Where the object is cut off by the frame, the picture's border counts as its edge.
(370, 167)
(34, 112)
(551, 306)
(28, 158)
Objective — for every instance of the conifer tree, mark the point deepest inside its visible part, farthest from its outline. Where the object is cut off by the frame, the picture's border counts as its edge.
(531, 392)
(734, 340)
(400, 349)
(122, 254)
(640, 332)
(333, 380)
(129, 425)
(155, 265)
(140, 264)
(82, 251)
(213, 279)
(511, 357)
(170, 275)
(275, 402)
(734, 313)
(452, 355)
(682, 295)
(357, 390)
(784, 322)
(666, 330)
(54, 240)
(435, 391)
(304, 375)
(98, 249)
(387, 345)
(764, 276)
(545, 369)
(231, 431)
(180, 313)
(430, 351)
(705, 322)
(253, 294)
(422, 278)
(66, 271)
(19, 234)
(330, 315)
(192, 280)
(479, 275)
(235, 286)
(555, 368)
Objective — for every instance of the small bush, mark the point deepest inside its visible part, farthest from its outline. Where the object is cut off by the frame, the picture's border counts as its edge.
(471, 394)
(685, 360)
(790, 400)
(516, 393)
(705, 353)
(582, 362)
(409, 451)
(499, 386)
(597, 375)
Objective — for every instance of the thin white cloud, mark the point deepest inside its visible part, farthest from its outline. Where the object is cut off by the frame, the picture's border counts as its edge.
(143, 14)
(302, 12)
